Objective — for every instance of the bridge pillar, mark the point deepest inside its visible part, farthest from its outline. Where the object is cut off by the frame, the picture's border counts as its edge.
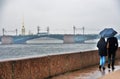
(74, 38)
(68, 39)
(7, 40)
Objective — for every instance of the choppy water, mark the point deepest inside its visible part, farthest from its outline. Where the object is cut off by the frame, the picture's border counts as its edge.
(33, 50)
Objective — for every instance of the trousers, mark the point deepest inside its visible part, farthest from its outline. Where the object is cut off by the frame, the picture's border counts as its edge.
(102, 61)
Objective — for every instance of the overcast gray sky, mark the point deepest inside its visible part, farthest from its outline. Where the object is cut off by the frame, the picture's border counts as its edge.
(60, 15)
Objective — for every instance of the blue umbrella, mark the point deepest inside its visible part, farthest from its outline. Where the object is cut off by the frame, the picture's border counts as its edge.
(108, 32)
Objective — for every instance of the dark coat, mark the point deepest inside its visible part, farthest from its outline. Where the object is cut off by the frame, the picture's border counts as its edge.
(102, 50)
(113, 44)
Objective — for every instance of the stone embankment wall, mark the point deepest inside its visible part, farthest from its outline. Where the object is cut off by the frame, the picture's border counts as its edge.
(44, 67)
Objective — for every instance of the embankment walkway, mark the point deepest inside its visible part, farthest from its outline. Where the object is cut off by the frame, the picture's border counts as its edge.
(92, 73)
(114, 75)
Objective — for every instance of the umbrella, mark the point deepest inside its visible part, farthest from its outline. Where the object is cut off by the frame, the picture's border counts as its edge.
(108, 32)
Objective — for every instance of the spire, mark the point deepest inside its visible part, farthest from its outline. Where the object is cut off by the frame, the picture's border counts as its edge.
(23, 21)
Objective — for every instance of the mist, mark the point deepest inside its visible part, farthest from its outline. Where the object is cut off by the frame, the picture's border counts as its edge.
(60, 15)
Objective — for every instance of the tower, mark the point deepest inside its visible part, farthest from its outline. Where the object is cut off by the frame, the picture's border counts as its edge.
(23, 28)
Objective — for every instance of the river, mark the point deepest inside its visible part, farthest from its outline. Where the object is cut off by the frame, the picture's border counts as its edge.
(16, 51)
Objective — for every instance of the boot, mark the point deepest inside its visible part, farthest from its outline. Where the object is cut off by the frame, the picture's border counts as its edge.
(113, 68)
(109, 67)
(103, 68)
(100, 67)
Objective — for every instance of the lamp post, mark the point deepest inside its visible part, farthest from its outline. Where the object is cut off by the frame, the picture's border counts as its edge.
(3, 30)
(38, 30)
(74, 29)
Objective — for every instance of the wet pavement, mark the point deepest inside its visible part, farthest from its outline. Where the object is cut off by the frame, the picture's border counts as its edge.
(88, 73)
(113, 75)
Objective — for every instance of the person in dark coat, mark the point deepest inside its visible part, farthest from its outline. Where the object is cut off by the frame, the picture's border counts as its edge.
(102, 52)
(112, 46)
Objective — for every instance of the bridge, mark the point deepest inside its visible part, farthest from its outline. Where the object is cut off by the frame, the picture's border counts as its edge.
(66, 38)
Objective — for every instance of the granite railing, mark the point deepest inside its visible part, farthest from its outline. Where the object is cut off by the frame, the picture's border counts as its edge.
(47, 66)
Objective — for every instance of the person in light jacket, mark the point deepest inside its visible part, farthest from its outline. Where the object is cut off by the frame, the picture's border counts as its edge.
(102, 51)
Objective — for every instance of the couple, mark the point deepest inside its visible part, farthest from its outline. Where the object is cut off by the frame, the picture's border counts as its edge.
(107, 49)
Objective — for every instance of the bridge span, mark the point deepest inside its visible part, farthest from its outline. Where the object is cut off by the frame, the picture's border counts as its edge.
(66, 38)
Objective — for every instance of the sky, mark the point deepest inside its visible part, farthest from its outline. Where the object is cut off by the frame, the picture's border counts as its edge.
(59, 15)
